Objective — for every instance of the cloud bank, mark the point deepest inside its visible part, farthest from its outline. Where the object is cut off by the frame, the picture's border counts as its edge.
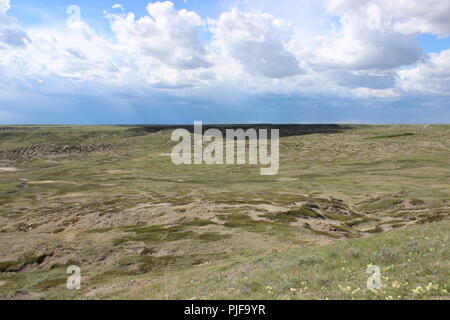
(363, 49)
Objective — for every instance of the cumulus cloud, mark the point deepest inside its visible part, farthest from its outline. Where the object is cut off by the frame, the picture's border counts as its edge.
(62, 61)
(251, 51)
(4, 6)
(404, 16)
(432, 75)
(118, 6)
(158, 51)
(361, 44)
(13, 37)
(166, 34)
(258, 42)
(11, 34)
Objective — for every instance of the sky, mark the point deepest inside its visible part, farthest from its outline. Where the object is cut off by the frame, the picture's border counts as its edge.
(224, 61)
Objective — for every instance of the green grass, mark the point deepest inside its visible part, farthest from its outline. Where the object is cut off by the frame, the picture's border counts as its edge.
(391, 136)
(293, 215)
(129, 214)
(161, 234)
(408, 259)
(382, 204)
(21, 263)
(414, 264)
(102, 230)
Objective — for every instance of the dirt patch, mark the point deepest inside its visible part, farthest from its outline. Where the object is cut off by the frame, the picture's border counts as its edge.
(41, 150)
(287, 179)
(8, 169)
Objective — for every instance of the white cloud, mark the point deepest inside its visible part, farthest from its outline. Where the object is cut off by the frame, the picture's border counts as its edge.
(258, 41)
(404, 16)
(432, 75)
(166, 34)
(251, 51)
(157, 51)
(376, 93)
(11, 34)
(60, 61)
(360, 44)
(4, 6)
(118, 6)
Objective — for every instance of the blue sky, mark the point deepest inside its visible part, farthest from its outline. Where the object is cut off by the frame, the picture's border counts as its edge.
(54, 12)
(224, 61)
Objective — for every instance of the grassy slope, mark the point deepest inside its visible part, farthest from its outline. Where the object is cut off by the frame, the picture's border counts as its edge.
(415, 263)
(81, 209)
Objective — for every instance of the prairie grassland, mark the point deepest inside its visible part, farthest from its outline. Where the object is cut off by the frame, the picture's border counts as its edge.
(109, 199)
